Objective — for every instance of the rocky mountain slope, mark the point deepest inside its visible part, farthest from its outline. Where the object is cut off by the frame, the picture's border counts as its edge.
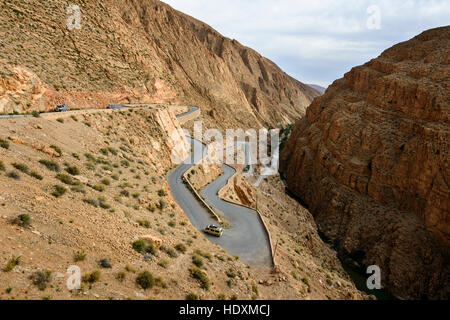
(80, 188)
(371, 161)
(132, 50)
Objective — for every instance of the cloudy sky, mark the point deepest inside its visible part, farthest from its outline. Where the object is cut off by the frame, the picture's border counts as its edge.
(317, 41)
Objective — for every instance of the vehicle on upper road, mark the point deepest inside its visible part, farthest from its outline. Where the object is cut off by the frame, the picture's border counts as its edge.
(62, 108)
(115, 106)
(214, 230)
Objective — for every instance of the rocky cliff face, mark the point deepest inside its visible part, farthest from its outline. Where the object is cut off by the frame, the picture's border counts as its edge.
(132, 50)
(371, 160)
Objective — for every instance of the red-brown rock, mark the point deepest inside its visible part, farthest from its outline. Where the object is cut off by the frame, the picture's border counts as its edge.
(371, 161)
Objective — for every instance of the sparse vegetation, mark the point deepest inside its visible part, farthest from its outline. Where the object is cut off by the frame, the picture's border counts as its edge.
(80, 256)
(139, 245)
(65, 178)
(92, 277)
(23, 220)
(4, 144)
(192, 296)
(41, 279)
(73, 170)
(76, 156)
(172, 223)
(104, 263)
(13, 175)
(145, 280)
(50, 165)
(36, 175)
(99, 202)
(201, 276)
(180, 247)
(11, 264)
(98, 187)
(57, 149)
(163, 263)
(144, 223)
(21, 167)
(169, 251)
(59, 191)
(197, 260)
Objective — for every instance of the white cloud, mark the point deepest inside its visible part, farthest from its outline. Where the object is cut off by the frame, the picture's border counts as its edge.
(317, 40)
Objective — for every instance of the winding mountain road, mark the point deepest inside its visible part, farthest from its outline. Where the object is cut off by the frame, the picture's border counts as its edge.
(247, 236)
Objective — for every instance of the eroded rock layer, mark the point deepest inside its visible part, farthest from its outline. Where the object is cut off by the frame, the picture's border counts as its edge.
(137, 51)
(371, 160)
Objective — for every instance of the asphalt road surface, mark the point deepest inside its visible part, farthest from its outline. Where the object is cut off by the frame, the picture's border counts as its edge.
(247, 236)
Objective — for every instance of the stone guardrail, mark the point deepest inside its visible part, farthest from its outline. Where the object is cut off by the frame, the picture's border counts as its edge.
(207, 206)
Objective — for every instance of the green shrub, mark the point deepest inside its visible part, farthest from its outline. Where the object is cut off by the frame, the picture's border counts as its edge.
(50, 165)
(163, 263)
(231, 273)
(105, 182)
(169, 251)
(201, 276)
(2, 166)
(121, 276)
(125, 193)
(104, 151)
(59, 191)
(92, 277)
(99, 202)
(162, 204)
(23, 220)
(13, 175)
(74, 118)
(192, 296)
(162, 193)
(21, 167)
(181, 248)
(41, 279)
(36, 114)
(150, 249)
(145, 280)
(197, 260)
(98, 187)
(4, 144)
(80, 256)
(60, 120)
(73, 170)
(113, 151)
(124, 163)
(78, 189)
(144, 223)
(139, 245)
(57, 149)
(11, 264)
(172, 224)
(36, 175)
(64, 178)
(76, 156)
